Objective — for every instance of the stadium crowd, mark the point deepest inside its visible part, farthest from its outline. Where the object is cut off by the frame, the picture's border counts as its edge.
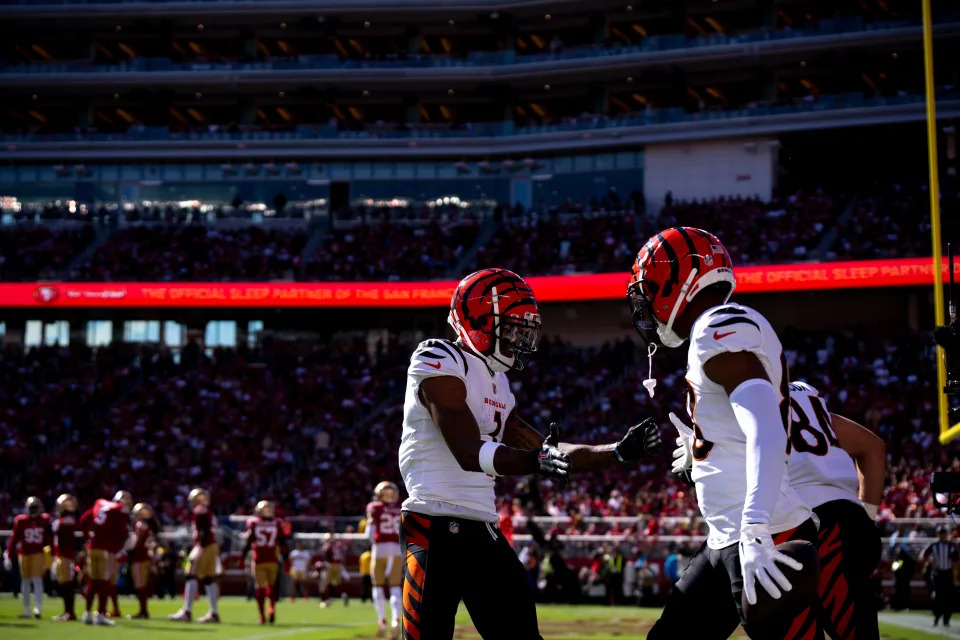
(326, 422)
(424, 243)
(35, 252)
(392, 251)
(194, 253)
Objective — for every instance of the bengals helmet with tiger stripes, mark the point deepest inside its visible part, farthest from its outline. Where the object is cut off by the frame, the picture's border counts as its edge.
(496, 315)
(671, 268)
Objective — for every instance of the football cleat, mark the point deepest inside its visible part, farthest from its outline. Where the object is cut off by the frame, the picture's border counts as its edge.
(265, 509)
(382, 629)
(103, 621)
(142, 511)
(199, 496)
(26, 615)
(36, 613)
(273, 616)
(64, 617)
(139, 616)
(496, 315)
(87, 618)
(210, 618)
(66, 503)
(33, 506)
(181, 616)
(671, 268)
(387, 492)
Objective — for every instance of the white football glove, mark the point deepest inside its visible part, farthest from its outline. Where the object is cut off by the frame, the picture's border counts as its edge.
(7, 563)
(683, 454)
(758, 563)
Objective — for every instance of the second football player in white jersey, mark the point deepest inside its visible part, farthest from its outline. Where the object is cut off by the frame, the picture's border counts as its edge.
(837, 467)
(460, 430)
(679, 289)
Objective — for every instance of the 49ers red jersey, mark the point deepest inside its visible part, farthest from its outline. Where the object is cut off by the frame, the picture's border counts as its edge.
(106, 525)
(333, 553)
(386, 518)
(64, 542)
(141, 548)
(30, 534)
(265, 536)
(204, 526)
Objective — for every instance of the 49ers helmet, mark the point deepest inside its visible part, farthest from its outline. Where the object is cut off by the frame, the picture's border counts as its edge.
(671, 268)
(496, 315)
(386, 491)
(125, 498)
(33, 506)
(198, 496)
(142, 511)
(66, 503)
(264, 509)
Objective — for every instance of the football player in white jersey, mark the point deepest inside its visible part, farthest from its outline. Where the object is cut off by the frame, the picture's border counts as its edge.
(460, 430)
(837, 467)
(679, 290)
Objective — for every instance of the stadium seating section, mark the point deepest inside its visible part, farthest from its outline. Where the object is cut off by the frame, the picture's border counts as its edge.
(326, 421)
(423, 244)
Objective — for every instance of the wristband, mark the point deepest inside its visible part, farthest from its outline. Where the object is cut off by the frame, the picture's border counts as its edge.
(485, 457)
(616, 452)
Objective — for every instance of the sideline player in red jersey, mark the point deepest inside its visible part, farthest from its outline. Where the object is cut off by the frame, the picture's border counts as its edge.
(126, 499)
(383, 529)
(31, 533)
(65, 553)
(106, 525)
(204, 560)
(333, 560)
(265, 534)
(141, 556)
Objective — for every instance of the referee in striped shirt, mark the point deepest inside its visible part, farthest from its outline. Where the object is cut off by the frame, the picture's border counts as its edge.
(941, 556)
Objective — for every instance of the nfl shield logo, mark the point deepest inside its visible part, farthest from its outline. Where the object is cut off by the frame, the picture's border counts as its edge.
(454, 527)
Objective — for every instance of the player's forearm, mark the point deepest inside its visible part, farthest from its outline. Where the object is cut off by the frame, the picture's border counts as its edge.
(513, 462)
(756, 406)
(589, 457)
(871, 469)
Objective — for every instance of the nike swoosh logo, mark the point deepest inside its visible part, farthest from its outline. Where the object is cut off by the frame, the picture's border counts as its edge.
(721, 336)
(430, 364)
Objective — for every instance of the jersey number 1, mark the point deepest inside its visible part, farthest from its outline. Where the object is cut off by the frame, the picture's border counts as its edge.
(498, 419)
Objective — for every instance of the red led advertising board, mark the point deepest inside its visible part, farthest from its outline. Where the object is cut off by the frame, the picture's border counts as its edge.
(605, 286)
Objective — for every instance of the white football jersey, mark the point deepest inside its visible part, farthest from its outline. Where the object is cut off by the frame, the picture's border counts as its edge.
(719, 447)
(819, 469)
(435, 482)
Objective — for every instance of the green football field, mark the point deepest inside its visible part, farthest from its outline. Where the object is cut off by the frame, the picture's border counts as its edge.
(307, 620)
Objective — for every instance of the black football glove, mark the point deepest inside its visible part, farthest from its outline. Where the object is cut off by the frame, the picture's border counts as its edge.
(641, 441)
(554, 463)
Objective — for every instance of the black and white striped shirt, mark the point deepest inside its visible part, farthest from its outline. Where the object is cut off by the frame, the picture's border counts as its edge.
(943, 555)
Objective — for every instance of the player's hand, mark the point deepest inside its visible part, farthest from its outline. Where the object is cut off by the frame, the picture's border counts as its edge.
(554, 463)
(758, 563)
(7, 564)
(641, 441)
(683, 454)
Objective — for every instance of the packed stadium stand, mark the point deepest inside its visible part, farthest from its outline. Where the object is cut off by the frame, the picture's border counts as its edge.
(268, 149)
(326, 421)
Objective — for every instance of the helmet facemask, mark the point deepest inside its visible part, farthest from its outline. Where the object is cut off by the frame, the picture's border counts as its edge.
(517, 336)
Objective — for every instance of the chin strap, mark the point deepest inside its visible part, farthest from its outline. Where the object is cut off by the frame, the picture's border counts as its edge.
(650, 383)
